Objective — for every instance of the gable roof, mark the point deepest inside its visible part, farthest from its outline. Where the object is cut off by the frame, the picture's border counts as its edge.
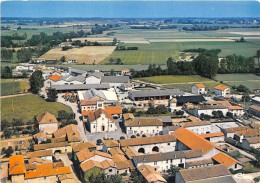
(248, 132)
(148, 140)
(190, 99)
(201, 173)
(193, 140)
(127, 116)
(47, 172)
(129, 151)
(221, 87)
(86, 154)
(200, 85)
(115, 79)
(80, 87)
(82, 145)
(55, 77)
(137, 122)
(110, 143)
(40, 153)
(197, 123)
(155, 92)
(49, 145)
(253, 140)
(236, 129)
(71, 132)
(88, 102)
(92, 116)
(16, 165)
(124, 164)
(46, 117)
(150, 174)
(235, 107)
(113, 110)
(208, 135)
(225, 159)
(91, 163)
(255, 107)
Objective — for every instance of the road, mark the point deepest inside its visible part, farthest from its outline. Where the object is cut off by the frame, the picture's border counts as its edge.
(78, 116)
(246, 178)
(240, 150)
(9, 96)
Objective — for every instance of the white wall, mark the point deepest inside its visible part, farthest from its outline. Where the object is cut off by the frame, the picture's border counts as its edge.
(163, 147)
(92, 80)
(198, 91)
(200, 129)
(150, 130)
(48, 128)
(96, 126)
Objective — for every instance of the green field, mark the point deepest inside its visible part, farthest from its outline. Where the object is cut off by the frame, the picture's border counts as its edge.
(182, 82)
(12, 86)
(26, 107)
(158, 53)
(250, 80)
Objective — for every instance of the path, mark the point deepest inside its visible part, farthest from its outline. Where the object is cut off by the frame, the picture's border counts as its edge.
(9, 96)
(246, 178)
(74, 108)
(239, 150)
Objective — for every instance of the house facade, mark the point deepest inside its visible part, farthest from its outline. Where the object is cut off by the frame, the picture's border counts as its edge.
(222, 90)
(198, 89)
(47, 123)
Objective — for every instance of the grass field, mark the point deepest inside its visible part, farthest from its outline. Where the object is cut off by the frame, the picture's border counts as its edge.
(250, 80)
(26, 107)
(12, 86)
(182, 82)
(158, 53)
(87, 54)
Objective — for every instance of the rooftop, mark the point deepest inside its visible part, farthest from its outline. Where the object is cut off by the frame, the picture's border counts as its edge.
(150, 174)
(208, 135)
(144, 122)
(40, 153)
(152, 93)
(82, 145)
(80, 87)
(55, 77)
(115, 79)
(200, 85)
(110, 143)
(46, 117)
(49, 145)
(221, 87)
(197, 123)
(113, 109)
(91, 163)
(225, 159)
(253, 140)
(70, 131)
(86, 154)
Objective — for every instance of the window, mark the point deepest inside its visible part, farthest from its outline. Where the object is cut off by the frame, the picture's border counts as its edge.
(171, 160)
(94, 126)
(130, 128)
(99, 105)
(155, 163)
(167, 168)
(181, 160)
(111, 125)
(110, 170)
(166, 161)
(169, 144)
(235, 165)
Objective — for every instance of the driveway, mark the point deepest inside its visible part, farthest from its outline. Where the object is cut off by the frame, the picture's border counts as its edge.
(74, 107)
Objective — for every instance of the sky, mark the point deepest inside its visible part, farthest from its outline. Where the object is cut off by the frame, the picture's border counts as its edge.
(130, 9)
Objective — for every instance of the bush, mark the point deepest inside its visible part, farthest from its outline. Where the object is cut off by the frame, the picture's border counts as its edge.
(25, 131)
(143, 135)
(29, 127)
(122, 137)
(133, 136)
(99, 141)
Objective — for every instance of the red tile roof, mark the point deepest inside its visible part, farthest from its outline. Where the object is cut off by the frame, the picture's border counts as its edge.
(55, 77)
(217, 134)
(221, 87)
(46, 117)
(113, 110)
(86, 154)
(200, 85)
(225, 159)
(16, 165)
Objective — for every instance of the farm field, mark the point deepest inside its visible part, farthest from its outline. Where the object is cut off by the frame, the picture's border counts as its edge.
(86, 55)
(158, 53)
(12, 86)
(26, 107)
(182, 82)
(250, 80)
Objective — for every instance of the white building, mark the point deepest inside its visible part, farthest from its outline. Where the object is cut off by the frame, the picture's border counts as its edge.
(144, 145)
(94, 78)
(214, 137)
(236, 110)
(100, 121)
(248, 143)
(198, 89)
(208, 109)
(222, 90)
(125, 72)
(144, 126)
(126, 86)
(47, 123)
(199, 127)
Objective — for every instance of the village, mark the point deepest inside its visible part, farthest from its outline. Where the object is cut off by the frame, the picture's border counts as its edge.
(137, 131)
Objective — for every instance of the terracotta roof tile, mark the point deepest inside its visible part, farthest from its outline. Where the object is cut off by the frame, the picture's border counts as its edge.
(124, 164)
(255, 107)
(111, 143)
(40, 153)
(236, 129)
(221, 87)
(129, 152)
(193, 140)
(217, 134)
(70, 131)
(150, 174)
(113, 110)
(248, 132)
(86, 154)
(46, 117)
(200, 85)
(87, 102)
(127, 116)
(55, 77)
(16, 165)
(234, 107)
(47, 172)
(92, 116)
(253, 140)
(91, 163)
(82, 145)
(200, 162)
(148, 140)
(144, 122)
(225, 159)
(197, 123)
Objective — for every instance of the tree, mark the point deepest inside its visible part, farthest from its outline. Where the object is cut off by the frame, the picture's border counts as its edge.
(173, 170)
(9, 151)
(133, 136)
(7, 72)
(63, 59)
(52, 95)
(114, 41)
(36, 81)
(170, 66)
(4, 124)
(136, 178)
(99, 141)
(112, 72)
(258, 58)
(246, 98)
(7, 133)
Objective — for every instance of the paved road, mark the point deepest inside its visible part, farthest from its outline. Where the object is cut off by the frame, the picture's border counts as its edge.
(74, 108)
(246, 178)
(240, 150)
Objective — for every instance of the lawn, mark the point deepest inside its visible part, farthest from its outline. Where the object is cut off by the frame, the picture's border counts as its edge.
(181, 82)
(250, 80)
(14, 86)
(26, 107)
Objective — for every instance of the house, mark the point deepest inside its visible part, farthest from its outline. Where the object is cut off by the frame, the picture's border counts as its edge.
(100, 121)
(154, 94)
(144, 145)
(129, 152)
(47, 123)
(230, 132)
(86, 155)
(91, 104)
(21, 172)
(199, 163)
(69, 132)
(43, 154)
(199, 127)
(126, 86)
(115, 111)
(65, 44)
(215, 173)
(108, 144)
(115, 81)
(249, 143)
(124, 167)
(228, 161)
(150, 175)
(255, 110)
(56, 147)
(222, 90)
(128, 116)
(214, 137)
(71, 80)
(76, 72)
(194, 99)
(39, 137)
(169, 129)
(248, 133)
(236, 110)
(198, 89)
(53, 80)
(139, 126)
(125, 72)
(163, 161)
(77, 147)
(94, 78)
(108, 96)
(90, 166)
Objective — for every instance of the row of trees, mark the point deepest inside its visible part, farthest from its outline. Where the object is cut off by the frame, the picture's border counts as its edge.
(7, 54)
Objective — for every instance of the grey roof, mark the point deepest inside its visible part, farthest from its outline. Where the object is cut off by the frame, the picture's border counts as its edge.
(93, 93)
(80, 87)
(165, 119)
(96, 74)
(166, 156)
(226, 179)
(78, 71)
(115, 79)
(70, 78)
(151, 93)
